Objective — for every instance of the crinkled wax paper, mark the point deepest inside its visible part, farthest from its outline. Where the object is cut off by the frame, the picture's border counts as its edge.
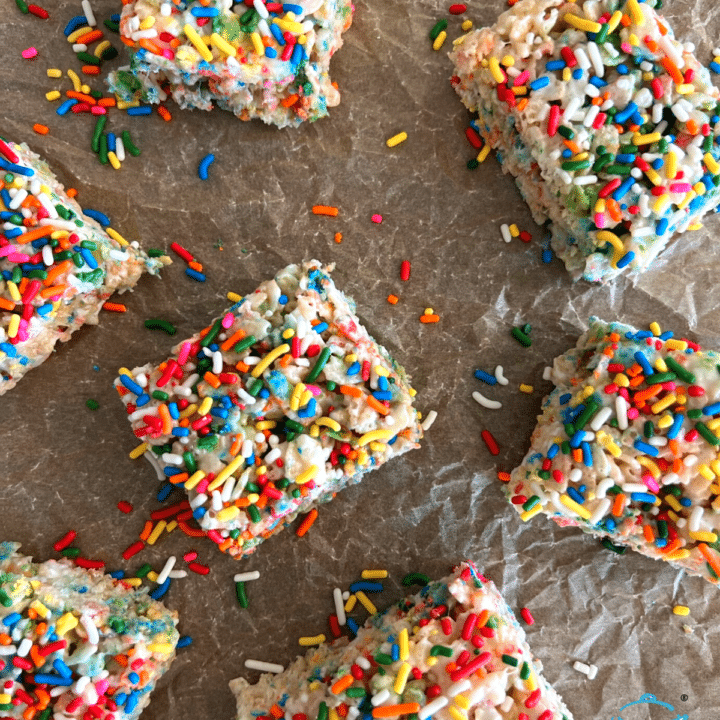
(64, 466)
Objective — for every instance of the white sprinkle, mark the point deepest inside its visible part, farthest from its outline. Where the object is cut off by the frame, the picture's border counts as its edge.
(695, 518)
(499, 376)
(247, 449)
(600, 418)
(380, 698)
(505, 231)
(273, 455)
(8, 650)
(17, 199)
(572, 107)
(600, 511)
(362, 661)
(246, 576)
(582, 58)
(585, 179)
(166, 9)
(621, 408)
(429, 420)
(79, 47)
(657, 113)
(47, 255)
(643, 98)
(507, 704)
(458, 687)
(217, 503)
(339, 606)
(177, 574)
(141, 34)
(88, 12)
(679, 112)
(603, 486)
(672, 51)
(352, 713)
(634, 487)
(227, 489)
(432, 707)
(197, 501)
(263, 666)
(593, 672)
(172, 459)
(575, 475)
(486, 402)
(24, 647)
(581, 667)
(594, 54)
(165, 572)
(93, 636)
(260, 8)
(590, 115)
(547, 372)
(217, 359)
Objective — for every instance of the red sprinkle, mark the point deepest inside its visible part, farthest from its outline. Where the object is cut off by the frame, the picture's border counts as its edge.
(376, 218)
(553, 120)
(568, 56)
(490, 441)
(64, 541)
(473, 138)
(125, 506)
(334, 626)
(405, 270)
(446, 625)
(533, 699)
(186, 255)
(198, 568)
(134, 549)
(457, 9)
(39, 12)
(89, 564)
(527, 616)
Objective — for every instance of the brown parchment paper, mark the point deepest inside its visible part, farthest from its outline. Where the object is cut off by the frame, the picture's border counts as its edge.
(63, 466)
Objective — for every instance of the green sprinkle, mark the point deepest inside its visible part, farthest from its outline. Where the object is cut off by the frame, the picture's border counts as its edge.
(234, 533)
(109, 53)
(521, 337)
(473, 164)
(92, 404)
(544, 474)
(99, 127)
(684, 374)
(103, 149)
(112, 25)
(601, 37)
(492, 622)
(694, 414)
(565, 447)
(355, 692)
(160, 324)
(294, 425)
(509, 660)
(129, 145)
(40, 274)
(78, 259)
(88, 59)
(525, 671)
(569, 429)
(71, 552)
(189, 460)
(383, 659)
(319, 365)
(88, 245)
(155, 252)
(245, 343)
(212, 333)
(160, 395)
(618, 169)
(531, 502)
(590, 409)
(5, 600)
(240, 593)
(566, 132)
(572, 165)
(648, 429)
(45, 714)
(415, 579)
(436, 650)
(662, 528)
(23, 8)
(255, 386)
(209, 442)
(602, 161)
(707, 433)
(144, 570)
(618, 549)
(254, 513)
(437, 28)
(330, 385)
(662, 377)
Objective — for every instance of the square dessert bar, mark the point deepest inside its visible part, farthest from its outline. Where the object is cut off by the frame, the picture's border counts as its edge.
(260, 59)
(453, 651)
(627, 446)
(283, 401)
(57, 265)
(607, 122)
(79, 644)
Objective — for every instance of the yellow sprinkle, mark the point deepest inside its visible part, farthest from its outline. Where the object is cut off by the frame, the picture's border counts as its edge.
(456, 713)
(13, 326)
(665, 421)
(566, 74)
(375, 435)
(305, 398)
(54, 72)
(152, 576)
(431, 661)
(74, 78)
(673, 503)
(699, 188)
(148, 22)
(85, 88)
(156, 533)
(257, 43)
(569, 503)
(253, 498)
(650, 465)
(704, 536)
(401, 137)
(439, 40)
(607, 442)
(636, 12)
(525, 516)
(273, 355)
(497, 73)
(350, 358)
(676, 344)
(198, 43)
(5, 699)
(306, 475)
(605, 236)
(374, 574)
(228, 513)
(171, 526)
(715, 466)
(686, 200)
(670, 165)
(226, 472)
(531, 683)
(653, 177)
(404, 643)
(308, 640)
(332, 424)
(681, 610)
(695, 226)
(52, 95)
(514, 230)
(350, 603)
(680, 554)
(205, 406)
(165, 648)
(648, 139)
(113, 158)
(234, 297)
(622, 380)
(366, 602)
(663, 404)
(614, 21)
(467, 25)
(362, 457)
(660, 203)
(288, 333)
(115, 235)
(65, 623)
(297, 393)
(191, 409)
(582, 23)
(265, 425)
(685, 88)
(462, 702)
(711, 163)
(314, 431)
(294, 27)
(401, 678)
(141, 449)
(101, 48)
(133, 581)
(482, 155)
(655, 329)
(526, 388)
(222, 45)
(75, 34)
(39, 608)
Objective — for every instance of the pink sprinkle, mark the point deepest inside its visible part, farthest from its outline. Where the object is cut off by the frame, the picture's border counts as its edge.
(377, 219)
(184, 353)
(626, 47)
(599, 220)
(632, 413)
(29, 53)
(98, 110)
(521, 79)
(527, 616)
(202, 486)
(190, 556)
(227, 321)
(649, 480)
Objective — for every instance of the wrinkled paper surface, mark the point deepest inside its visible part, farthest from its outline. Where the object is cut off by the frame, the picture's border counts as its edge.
(65, 466)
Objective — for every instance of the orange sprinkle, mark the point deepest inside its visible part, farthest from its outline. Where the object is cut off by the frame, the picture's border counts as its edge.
(307, 522)
(633, 370)
(648, 533)
(29, 713)
(338, 238)
(577, 455)
(90, 69)
(290, 100)
(637, 380)
(179, 478)
(388, 711)
(6, 304)
(613, 209)
(376, 405)
(429, 318)
(189, 531)
(625, 20)
(351, 390)
(234, 338)
(114, 307)
(5, 639)
(325, 210)
(41, 129)
(164, 113)
(572, 146)
(285, 360)
(276, 711)
(145, 534)
(225, 544)
(671, 547)
(652, 46)
(212, 379)
(647, 393)
(121, 660)
(504, 476)
(521, 104)
(673, 70)
(242, 502)
(342, 684)
(49, 292)
(235, 447)
(618, 505)
(150, 45)
(107, 102)
(692, 127)
(90, 37)
(36, 234)
(195, 265)
(663, 30)
(711, 557)
(393, 299)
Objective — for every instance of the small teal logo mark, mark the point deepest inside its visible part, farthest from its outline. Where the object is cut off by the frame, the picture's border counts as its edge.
(649, 699)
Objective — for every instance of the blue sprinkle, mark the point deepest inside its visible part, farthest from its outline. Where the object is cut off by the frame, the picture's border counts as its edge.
(625, 114)
(111, 144)
(485, 377)
(667, 335)
(180, 432)
(352, 625)
(115, 17)
(74, 24)
(320, 327)
(366, 586)
(134, 678)
(199, 513)
(395, 652)
(625, 158)
(17, 169)
(62, 669)
(661, 542)
(597, 82)
(354, 369)
(674, 430)
(685, 502)
(130, 384)
(297, 54)
(641, 360)
(662, 226)
(291, 7)
(140, 110)
(174, 411)
(712, 409)
(204, 165)
(219, 412)
(577, 439)
(587, 454)
(642, 497)
(89, 258)
(169, 471)
(567, 153)
(283, 299)
(46, 678)
(547, 255)
(195, 275)
(15, 232)
(626, 259)
(277, 34)
(205, 12)
(96, 215)
(541, 82)
(132, 701)
(184, 641)
(565, 399)
(715, 67)
(8, 349)
(11, 619)
(553, 450)
(645, 448)
(117, 574)
(555, 65)
(623, 188)
(142, 399)
(578, 73)
(383, 383)
(622, 69)
(160, 590)
(270, 52)
(576, 495)
(382, 395)
(657, 163)
(164, 492)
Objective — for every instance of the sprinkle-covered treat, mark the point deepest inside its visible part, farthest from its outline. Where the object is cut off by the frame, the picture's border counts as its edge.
(606, 121)
(262, 59)
(453, 651)
(75, 643)
(627, 446)
(57, 265)
(280, 403)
